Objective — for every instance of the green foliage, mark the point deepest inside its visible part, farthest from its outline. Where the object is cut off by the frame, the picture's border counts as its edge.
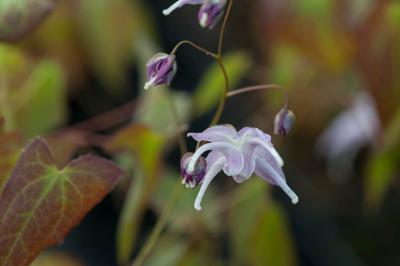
(33, 97)
(107, 29)
(40, 103)
(262, 237)
(270, 240)
(168, 251)
(41, 203)
(210, 88)
(145, 146)
(383, 164)
(183, 214)
(157, 109)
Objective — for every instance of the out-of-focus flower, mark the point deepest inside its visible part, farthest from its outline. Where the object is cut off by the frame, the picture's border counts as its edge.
(284, 122)
(348, 133)
(161, 69)
(211, 12)
(238, 154)
(194, 178)
(181, 3)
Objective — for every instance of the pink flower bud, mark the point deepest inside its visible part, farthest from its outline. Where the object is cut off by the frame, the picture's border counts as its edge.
(284, 122)
(161, 69)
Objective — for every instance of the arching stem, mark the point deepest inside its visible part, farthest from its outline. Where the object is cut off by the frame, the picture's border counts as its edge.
(261, 87)
(198, 47)
(222, 32)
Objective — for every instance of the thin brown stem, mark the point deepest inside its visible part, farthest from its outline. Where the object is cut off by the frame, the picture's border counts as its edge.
(222, 32)
(198, 47)
(261, 87)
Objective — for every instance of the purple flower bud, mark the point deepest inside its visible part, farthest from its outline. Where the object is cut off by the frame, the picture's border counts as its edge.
(161, 69)
(284, 122)
(211, 12)
(192, 179)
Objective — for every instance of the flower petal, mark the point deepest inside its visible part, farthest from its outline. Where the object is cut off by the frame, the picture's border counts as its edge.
(268, 147)
(216, 133)
(274, 175)
(248, 151)
(179, 4)
(225, 147)
(211, 173)
(234, 161)
(254, 132)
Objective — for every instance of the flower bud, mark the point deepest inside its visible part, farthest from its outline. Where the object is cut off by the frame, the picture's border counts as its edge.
(284, 122)
(161, 69)
(192, 179)
(211, 12)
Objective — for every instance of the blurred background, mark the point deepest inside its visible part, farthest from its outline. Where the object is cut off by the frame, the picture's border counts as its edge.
(77, 79)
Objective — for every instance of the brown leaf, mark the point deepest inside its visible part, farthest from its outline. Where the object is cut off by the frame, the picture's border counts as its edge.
(41, 203)
(17, 18)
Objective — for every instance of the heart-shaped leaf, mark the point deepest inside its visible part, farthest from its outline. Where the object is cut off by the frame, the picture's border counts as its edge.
(41, 203)
(19, 17)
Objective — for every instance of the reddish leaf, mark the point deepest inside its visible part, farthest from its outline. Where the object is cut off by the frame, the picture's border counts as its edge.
(41, 203)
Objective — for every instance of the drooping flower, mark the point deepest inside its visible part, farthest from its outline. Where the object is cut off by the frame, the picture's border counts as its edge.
(239, 155)
(181, 3)
(211, 12)
(161, 69)
(284, 122)
(191, 180)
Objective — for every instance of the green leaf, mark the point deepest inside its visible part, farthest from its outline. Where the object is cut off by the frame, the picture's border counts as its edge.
(40, 104)
(108, 28)
(211, 86)
(183, 214)
(145, 145)
(270, 241)
(379, 176)
(258, 228)
(40, 203)
(19, 17)
(250, 198)
(156, 111)
(383, 164)
(168, 251)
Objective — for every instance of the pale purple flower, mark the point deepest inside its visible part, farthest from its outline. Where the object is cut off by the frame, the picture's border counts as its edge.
(181, 3)
(352, 130)
(191, 180)
(211, 12)
(284, 122)
(161, 69)
(239, 155)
